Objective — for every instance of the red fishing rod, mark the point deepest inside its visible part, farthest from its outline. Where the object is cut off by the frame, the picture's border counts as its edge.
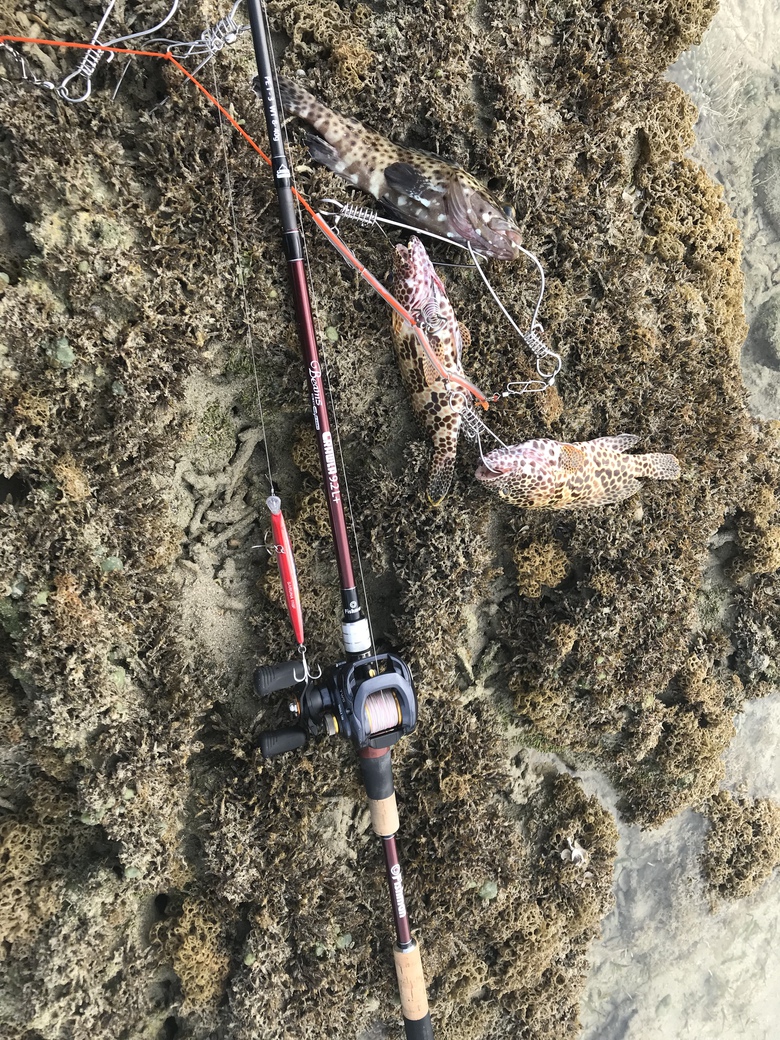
(368, 697)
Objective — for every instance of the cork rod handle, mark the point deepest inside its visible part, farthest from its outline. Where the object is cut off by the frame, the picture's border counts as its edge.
(411, 986)
(384, 816)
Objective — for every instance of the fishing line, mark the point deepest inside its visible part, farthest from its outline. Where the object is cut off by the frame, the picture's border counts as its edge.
(319, 220)
(282, 546)
(532, 339)
(92, 58)
(226, 31)
(474, 427)
(242, 282)
(369, 218)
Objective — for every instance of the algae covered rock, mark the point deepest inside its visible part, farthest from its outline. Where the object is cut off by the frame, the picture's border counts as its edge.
(743, 847)
(164, 880)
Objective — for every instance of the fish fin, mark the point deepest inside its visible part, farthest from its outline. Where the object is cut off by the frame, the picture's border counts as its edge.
(657, 466)
(465, 341)
(464, 206)
(322, 152)
(408, 180)
(430, 372)
(572, 458)
(604, 496)
(460, 211)
(440, 477)
(620, 443)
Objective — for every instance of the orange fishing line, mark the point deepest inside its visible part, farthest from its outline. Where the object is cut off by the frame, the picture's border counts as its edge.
(322, 224)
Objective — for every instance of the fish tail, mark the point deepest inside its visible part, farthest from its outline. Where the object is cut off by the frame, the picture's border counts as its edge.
(335, 128)
(297, 101)
(657, 466)
(345, 146)
(439, 482)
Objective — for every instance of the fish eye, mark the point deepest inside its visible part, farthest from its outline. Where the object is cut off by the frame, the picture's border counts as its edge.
(509, 211)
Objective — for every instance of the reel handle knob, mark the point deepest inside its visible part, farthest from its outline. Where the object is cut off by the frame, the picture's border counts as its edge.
(279, 741)
(270, 678)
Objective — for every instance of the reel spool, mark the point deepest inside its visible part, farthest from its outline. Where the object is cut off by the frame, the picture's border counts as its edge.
(383, 712)
(371, 702)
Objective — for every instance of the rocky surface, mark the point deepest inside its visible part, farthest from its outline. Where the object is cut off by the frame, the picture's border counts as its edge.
(164, 881)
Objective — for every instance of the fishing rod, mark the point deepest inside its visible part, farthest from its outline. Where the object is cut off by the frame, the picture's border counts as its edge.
(368, 697)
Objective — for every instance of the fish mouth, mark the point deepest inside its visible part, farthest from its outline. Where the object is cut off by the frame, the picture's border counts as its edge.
(402, 258)
(412, 273)
(417, 252)
(487, 474)
(413, 256)
(404, 266)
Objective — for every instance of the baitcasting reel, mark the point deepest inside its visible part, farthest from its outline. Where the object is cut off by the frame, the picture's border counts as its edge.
(371, 701)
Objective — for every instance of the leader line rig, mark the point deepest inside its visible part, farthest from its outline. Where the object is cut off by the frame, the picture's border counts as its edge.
(6, 42)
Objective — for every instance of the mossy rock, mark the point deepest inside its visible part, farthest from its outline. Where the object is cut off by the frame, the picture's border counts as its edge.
(126, 257)
(743, 847)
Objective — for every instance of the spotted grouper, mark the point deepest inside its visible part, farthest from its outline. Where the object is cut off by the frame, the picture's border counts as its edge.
(419, 189)
(546, 474)
(438, 407)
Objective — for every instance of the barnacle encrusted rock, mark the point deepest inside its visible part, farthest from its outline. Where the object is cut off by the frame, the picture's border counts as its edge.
(193, 936)
(539, 565)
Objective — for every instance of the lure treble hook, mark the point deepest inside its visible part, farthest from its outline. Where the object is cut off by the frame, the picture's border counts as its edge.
(308, 675)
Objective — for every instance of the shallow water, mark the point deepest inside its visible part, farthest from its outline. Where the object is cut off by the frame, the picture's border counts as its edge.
(734, 79)
(669, 966)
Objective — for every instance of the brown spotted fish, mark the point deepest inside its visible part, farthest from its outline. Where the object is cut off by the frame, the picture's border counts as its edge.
(439, 409)
(545, 474)
(422, 190)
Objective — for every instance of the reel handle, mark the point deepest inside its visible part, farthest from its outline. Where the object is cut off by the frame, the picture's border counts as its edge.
(270, 678)
(275, 742)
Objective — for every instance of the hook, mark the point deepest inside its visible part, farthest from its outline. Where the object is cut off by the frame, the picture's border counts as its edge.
(225, 32)
(308, 675)
(88, 63)
(92, 58)
(532, 339)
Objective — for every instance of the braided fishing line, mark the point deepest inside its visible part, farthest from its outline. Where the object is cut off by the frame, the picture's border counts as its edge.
(383, 711)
